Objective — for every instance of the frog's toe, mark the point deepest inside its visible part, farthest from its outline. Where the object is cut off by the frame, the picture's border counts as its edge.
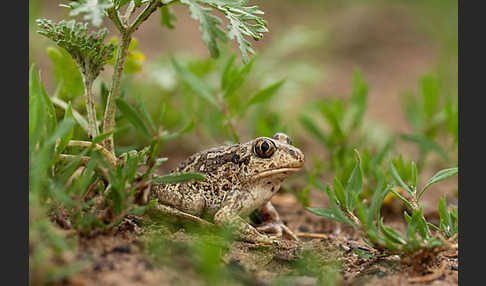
(273, 228)
(277, 228)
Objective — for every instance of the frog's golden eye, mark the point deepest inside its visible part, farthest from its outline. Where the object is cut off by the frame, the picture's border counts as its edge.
(264, 148)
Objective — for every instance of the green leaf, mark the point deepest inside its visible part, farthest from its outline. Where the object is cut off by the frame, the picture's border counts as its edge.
(439, 176)
(104, 95)
(327, 213)
(398, 179)
(133, 116)
(303, 197)
(360, 210)
(146, 115)
(451, 110)
(413, 110)
(337, 211)
(407, 217)
(376, 202)
(66, 73)
(445, 218)
(358, 98)
(366, 254)
(265, 94)
(434, 242)
(89, 51)
(92, 11)
(355, 182)
(208, 25)
(167, 18)
(228, 72)
(77, 116)
(237, 78)
(378, 158)
(331, 113)
(421, 224)
(407, 203)
(430, 94)
(243, 21)
(414, 175)
(43, 158)
(189, 126)
(391, 233)
(141, 209)
(339, 191)
(43, 107)
(68, 114)
(426, 144)
(178, 178)
(197, 85)
(36, 110)
(314, 130)
(120, 3)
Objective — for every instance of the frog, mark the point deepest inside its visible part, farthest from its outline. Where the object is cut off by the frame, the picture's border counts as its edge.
(238, 180)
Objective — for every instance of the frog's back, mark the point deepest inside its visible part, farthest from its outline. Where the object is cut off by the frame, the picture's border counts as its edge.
(221, 167)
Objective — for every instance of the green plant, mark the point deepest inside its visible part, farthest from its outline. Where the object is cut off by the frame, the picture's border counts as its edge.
(345, 130)
(432, 115)
(225, 100)
(94, 185)
(244, 21)
(347, 207)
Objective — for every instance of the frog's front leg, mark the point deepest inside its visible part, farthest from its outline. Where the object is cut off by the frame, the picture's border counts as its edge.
(227, 215)
(272, 222)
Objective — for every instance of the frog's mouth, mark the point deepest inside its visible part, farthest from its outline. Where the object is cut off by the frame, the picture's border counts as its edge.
(273, 172)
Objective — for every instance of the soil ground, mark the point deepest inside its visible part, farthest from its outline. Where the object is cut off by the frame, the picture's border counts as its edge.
(121, 258)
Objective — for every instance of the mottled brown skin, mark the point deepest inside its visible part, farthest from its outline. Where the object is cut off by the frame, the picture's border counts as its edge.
(240, 178)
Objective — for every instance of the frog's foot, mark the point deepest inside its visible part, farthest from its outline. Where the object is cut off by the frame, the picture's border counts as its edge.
(277, 228)
(273, 224)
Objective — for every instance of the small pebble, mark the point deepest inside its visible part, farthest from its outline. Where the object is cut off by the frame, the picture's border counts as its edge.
(97, 267)
(303, 228)
(284, 257)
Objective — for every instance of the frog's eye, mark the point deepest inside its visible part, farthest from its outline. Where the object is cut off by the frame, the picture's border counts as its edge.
(264, 148)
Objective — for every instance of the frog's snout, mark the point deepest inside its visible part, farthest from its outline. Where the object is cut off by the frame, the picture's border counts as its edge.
(298, 157)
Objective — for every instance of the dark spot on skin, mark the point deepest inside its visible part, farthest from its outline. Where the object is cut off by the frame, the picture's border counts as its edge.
(293, 154)
(245, 160)
(235, 159)
(272, 165)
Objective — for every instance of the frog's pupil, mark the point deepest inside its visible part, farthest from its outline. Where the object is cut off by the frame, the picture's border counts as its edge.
(264, 147)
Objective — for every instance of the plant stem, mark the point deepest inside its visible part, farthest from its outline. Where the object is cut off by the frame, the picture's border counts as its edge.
(90, 105)
(145, 14)
(109, 117)
(121, 55)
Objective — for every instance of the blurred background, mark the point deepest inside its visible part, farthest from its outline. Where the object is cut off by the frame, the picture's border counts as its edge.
(399, 49)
